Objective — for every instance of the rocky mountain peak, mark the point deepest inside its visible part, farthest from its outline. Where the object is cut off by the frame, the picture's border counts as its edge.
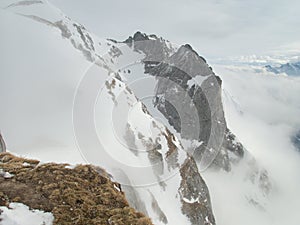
(189, 61)
(138, 36)
(155, 49)
(183, 73)
(159, 50)
(188, 48)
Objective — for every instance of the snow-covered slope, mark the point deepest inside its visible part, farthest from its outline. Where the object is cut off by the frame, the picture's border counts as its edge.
(149, 112)
(40, 71)
(42, 74)
(20, 214)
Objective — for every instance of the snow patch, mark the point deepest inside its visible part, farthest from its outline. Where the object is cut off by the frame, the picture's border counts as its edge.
(20, 214)
(5, 174)
(197, 80)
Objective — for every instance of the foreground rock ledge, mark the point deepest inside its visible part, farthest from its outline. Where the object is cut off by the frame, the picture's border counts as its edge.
(81, 195)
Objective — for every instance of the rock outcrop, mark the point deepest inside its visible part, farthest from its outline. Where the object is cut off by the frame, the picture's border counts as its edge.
(2, 144)
(81, 195)
(188, 94)
(194, 195)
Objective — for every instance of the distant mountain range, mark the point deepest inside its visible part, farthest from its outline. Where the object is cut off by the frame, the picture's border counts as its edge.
(291, 69)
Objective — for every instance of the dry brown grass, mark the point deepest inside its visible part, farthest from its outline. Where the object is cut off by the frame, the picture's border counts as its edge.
(83, 196)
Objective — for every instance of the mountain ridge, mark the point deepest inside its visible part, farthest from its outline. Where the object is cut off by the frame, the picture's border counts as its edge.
(291, 69)
(178, 72)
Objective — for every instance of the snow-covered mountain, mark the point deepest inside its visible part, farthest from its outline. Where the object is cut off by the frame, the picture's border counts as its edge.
(291, 69)
(149, 112)
(159, 177)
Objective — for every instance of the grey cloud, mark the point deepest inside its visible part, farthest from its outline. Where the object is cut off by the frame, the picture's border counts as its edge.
(215, 28)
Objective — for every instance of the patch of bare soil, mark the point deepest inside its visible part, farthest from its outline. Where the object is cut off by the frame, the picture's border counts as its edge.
(84, 195)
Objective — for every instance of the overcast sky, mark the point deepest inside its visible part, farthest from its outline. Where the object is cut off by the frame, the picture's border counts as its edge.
(215, 28)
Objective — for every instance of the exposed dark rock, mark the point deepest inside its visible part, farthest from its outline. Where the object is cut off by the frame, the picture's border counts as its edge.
(172, 153)
(65, 32)
(155, 48)
(132, 195)
(2, 144)
(296, 140)
(157, 210)
(114, 52)
(194, 195)
(156, 158)
(86, 45)
(88, 42)
(194, 108)
(25, 3)
(129, 137)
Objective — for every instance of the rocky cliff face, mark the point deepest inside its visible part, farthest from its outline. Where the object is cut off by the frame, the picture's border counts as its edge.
(194, 195)
(188, 94)
(2, 144)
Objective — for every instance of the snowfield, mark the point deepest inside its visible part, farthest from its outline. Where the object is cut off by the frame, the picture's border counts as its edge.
(57, 105)
(20, 214)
